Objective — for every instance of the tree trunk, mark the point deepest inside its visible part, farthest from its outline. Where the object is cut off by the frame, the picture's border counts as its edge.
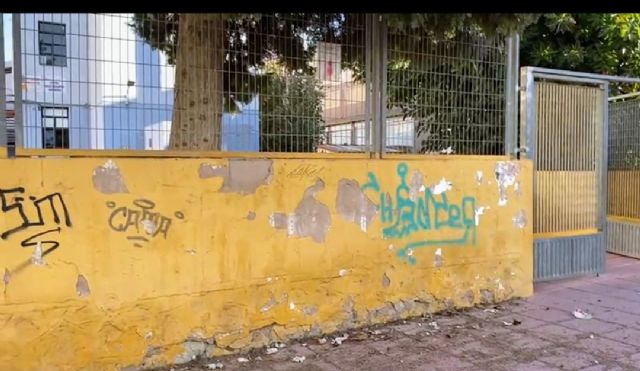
(198, 100)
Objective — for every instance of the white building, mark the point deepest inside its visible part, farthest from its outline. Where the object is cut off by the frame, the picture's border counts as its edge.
(89, 82)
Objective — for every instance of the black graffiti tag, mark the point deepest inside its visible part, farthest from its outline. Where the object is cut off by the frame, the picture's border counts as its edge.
(123, 219)
(12, 200)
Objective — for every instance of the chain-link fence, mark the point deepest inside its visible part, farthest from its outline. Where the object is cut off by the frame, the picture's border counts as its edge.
(298, 82)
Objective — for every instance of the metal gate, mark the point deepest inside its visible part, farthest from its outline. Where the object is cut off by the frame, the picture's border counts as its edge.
(623, 221)
(564, 130)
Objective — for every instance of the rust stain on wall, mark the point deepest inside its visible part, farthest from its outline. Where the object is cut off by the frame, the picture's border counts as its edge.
(240, 176)
(353, 205)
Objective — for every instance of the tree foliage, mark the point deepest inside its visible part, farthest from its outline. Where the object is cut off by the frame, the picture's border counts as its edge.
(447, 95)
(598, 43)
(291, 114)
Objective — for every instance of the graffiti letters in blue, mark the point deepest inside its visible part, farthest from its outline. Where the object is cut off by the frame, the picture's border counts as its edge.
(425, 211)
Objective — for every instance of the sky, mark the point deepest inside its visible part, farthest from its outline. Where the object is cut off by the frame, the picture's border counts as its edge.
(8, 47)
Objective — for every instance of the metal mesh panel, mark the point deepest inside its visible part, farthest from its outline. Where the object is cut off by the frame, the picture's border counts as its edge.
(624, 159)
(446, 95)
(568, 143)
(294, 82)
(190, 81)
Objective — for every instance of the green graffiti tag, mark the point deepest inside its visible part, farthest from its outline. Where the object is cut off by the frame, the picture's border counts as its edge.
(428, 212)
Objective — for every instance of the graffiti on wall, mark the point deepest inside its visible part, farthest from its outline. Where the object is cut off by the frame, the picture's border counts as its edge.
(35, 216)
(140, 221)
(414, 208)
(25, 216)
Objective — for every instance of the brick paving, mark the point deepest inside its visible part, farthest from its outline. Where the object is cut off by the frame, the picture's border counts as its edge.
(548, 336)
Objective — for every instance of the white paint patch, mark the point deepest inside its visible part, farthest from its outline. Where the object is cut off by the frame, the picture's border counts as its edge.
(363, 223)
(520, 220)
(480, 211)
(391, 247)
(439, 252)
(422, 188)
(291, 225)
(149, 226)
(479, 177)
(506, 173)
(448, 150)
(110, 165)
(409, 252)
(292, 306)
(342, 272)
(37, 258)
(499, 284)
(441, 187)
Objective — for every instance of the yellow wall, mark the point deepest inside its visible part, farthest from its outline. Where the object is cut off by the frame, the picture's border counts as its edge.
(224, 273)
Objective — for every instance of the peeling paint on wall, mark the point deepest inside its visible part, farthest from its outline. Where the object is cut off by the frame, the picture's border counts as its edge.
(486, 296)
(517, 188)
(469, 297)
(309, 310)
(441, 187)
(7, 276)
(108, 180)
(478, 212)
(437, 260)
(479, 177)
(506, 173)
(520, 220)
(37, 257)
(416, 185)
(311, 218)
(82, 287)
(240, 176)
(353, 205)
(385, 280)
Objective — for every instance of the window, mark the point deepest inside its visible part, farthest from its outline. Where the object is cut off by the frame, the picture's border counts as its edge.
(55, 127)
(53, 44)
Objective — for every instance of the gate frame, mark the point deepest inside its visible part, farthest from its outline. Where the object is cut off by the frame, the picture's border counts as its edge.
(527, 149)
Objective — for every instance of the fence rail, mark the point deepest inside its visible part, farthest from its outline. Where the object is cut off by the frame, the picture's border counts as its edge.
(300, 82)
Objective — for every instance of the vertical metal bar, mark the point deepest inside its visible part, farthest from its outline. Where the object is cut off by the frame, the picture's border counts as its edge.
(3, 101)
(527, 115)
(511, 97)
(17, 80)
(369, 102)
(376, 85)
(382, 46)
(603, 186)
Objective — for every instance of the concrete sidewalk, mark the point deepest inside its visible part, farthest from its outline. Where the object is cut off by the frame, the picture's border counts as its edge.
(540, 333)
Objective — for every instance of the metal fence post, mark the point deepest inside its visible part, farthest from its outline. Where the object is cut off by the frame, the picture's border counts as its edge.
(383, 84)
(3, 87)
(511, 94)
(378, 83)
(17, 80)
(369, 101)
